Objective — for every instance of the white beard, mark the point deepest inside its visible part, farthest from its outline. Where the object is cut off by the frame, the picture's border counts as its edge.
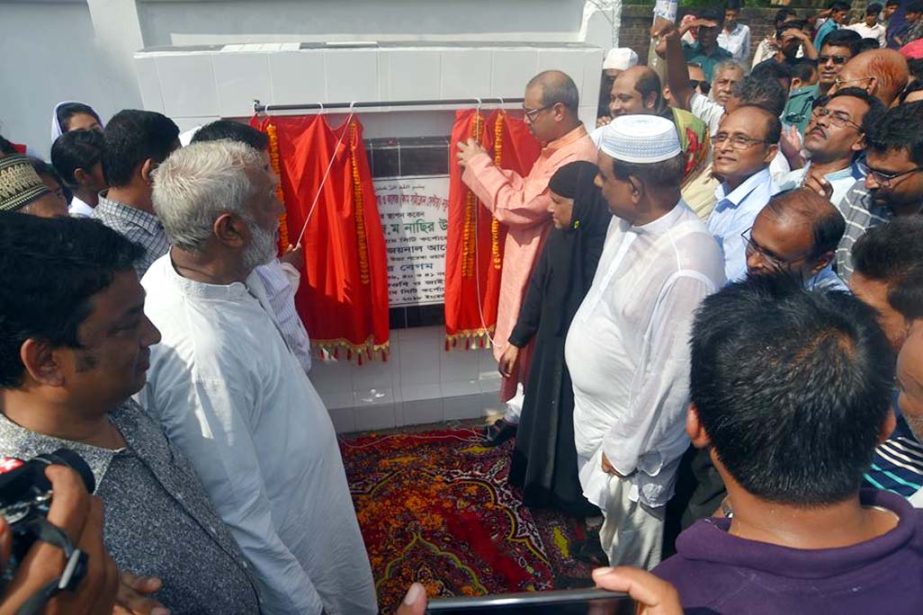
(262, 248)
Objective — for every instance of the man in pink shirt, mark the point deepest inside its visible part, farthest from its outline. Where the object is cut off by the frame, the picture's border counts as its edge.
(522, 205)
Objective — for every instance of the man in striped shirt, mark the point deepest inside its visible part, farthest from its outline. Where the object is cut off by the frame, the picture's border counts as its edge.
(893, 186)
(889, 277)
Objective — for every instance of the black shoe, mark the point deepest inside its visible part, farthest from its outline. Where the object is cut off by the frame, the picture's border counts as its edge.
(591, 551)
(498, 433)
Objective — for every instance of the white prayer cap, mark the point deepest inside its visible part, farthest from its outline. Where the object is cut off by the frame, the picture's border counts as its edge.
(640, 139)
(621, 58)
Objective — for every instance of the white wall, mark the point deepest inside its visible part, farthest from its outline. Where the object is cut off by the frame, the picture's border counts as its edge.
(172, 22)
(49, 53)
(195, 87)
(419, 383)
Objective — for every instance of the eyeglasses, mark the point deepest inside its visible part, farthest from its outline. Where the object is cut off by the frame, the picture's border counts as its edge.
(737, 141)
(885, 180)
(838, 119)
(531, 114)
(838, 83)
(754, 248)
(838, 60)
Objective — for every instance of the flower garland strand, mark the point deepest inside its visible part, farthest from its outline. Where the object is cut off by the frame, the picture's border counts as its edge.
(494, 223)
(277, 169)
(468, 246)
(360, 210)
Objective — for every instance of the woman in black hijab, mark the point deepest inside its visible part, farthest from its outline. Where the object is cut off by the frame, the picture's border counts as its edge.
(545, 459)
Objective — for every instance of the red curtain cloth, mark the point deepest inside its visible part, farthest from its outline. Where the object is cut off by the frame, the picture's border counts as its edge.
(343, 297)
(474, 246)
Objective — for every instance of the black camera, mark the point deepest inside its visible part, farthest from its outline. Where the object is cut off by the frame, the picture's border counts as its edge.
(25, 497)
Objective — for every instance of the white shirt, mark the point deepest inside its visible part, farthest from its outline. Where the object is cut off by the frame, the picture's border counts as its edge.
(233, 398)
(628, 354)
(281, 282)
(734, 213)
(79, 208)
(877, 32)
(707, 110)
(917, 499)
(737, 42)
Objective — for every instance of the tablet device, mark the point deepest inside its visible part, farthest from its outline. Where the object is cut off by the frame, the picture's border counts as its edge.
(560, 602)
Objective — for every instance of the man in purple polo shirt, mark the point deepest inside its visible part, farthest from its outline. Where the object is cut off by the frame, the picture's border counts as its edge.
(790, 394)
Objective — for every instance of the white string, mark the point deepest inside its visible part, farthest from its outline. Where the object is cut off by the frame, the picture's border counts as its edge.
(323, 181)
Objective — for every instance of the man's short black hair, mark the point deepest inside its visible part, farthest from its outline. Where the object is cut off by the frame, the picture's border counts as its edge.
(133, 136)
(733, 5)
(78, 149)
(793, 388)
(795, 24)
(899, 129)
(804, 70)
(66, 111)
(767, 94)
(839, 5)
(44, 169)
(868, 44)
(50, 269)
(782, 15)
(893, 3)
(893, 254)
(916, 68)
(843, 38)
(232, 131)
(6, 147)
(916, 6)
(913, 86)
(873, 9)
(876, 111)
(712, 14)
(770, 69)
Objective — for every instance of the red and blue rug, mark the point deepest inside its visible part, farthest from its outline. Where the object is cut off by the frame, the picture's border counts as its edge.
(435, 507)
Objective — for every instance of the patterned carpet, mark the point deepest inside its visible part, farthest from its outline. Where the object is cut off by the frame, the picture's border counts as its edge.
(435, 507)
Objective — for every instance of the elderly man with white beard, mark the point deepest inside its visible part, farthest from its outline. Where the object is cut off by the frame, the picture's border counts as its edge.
(233, 397)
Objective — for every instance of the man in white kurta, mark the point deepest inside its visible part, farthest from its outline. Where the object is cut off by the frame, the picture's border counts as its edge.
(627, 348)
(235, 400)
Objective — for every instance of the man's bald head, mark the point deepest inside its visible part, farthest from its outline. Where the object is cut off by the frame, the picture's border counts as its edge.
(643, 78)
(883, 73)
(556, 87)
(804, 206)
(797, 232)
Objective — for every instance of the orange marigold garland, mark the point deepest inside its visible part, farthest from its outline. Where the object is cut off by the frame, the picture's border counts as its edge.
(276, 168)
(468, 245)
(494, 223)
(360, 210)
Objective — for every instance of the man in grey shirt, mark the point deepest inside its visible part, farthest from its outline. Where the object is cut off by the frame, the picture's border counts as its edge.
(74, 346)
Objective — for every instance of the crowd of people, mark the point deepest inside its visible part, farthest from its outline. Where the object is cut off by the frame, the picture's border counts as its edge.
(708, 331)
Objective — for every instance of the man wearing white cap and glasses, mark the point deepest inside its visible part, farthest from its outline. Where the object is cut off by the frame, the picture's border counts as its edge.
(627, 349)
